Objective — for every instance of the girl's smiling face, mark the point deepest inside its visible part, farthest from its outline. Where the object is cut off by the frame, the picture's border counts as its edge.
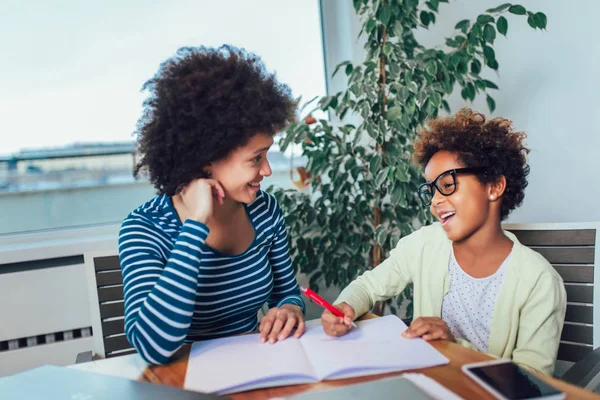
(469, 207)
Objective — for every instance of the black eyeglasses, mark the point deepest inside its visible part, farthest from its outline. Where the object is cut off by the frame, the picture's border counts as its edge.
(445, 183)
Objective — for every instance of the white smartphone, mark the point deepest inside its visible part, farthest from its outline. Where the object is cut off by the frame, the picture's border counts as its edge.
(508, 381)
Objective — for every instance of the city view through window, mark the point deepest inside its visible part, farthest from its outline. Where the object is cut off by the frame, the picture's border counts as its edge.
(71, 94)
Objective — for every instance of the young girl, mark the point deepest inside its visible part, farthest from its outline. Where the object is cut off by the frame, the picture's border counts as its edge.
(473, 282)
(201, 258)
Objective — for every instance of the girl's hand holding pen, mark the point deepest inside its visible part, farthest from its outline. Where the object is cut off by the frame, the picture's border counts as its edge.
(338, 326)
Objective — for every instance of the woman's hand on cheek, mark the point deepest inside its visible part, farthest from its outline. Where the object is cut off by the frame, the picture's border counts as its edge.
(279, 323)
(429, 328)
(199, 196)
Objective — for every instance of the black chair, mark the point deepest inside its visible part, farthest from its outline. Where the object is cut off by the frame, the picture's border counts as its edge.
(105, 286)
(572, 250)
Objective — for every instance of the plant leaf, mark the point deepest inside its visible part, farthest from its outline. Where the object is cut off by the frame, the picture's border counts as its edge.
(370, 26)
(436, 99)
(398, 28)
(490, 84)
(412, 86)
(491, 103)
(375, 164)
(517, 10)
(425, 20)
(431, 67)
(471, 91)
(489, 33)
(311, 216)
(476, 31)
(396, 194)
(381, 234)
(404, 93)
(499, 8)
(385, 15)
(484, 19)
(463, 25)
(433, 5)
(402, 174)
(381, 175)
(387, 49)
(340, 65)
(531, 21)
(446, 106)
(349, 69)
(489, 54)
(394, 113)
(502, 25)
(540, 20)
(475, 66)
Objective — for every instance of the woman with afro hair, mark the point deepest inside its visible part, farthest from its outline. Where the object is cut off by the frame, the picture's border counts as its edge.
(201, 258)
(474, 283)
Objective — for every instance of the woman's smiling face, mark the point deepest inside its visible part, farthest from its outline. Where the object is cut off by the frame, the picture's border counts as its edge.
(241, 172)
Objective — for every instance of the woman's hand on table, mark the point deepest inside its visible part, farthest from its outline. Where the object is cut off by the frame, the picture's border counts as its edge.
(279, 322)
(429, 328)
(338, 326)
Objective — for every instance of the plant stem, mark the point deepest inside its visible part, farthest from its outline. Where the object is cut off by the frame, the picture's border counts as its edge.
(379, 307)
(382, 83)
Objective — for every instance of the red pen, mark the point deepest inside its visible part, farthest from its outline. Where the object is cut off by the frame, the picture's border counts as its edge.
(321, 301)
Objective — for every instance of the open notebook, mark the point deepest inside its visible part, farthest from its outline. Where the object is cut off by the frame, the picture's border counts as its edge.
(240, 363)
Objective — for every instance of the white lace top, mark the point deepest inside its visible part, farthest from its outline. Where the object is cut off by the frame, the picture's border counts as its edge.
(468, 306)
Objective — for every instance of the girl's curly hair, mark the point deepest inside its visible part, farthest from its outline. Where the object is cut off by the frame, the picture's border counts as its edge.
(479, 143)
(203, 103)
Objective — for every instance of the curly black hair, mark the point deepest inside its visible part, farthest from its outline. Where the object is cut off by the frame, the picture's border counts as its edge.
(204, 103)
(479, 143)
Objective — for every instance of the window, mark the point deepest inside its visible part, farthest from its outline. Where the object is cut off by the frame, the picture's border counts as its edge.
(70, 99)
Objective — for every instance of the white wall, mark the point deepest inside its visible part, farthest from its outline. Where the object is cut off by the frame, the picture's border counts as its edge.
(549, 88)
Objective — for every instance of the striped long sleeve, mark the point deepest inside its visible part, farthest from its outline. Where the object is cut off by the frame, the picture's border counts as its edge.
(179, 290)
(285, 287)
(159, 296)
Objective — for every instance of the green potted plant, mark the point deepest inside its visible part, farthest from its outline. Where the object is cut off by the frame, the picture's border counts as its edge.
(362, 195)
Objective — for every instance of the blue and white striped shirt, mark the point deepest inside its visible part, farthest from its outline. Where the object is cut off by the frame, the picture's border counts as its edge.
(178, 290)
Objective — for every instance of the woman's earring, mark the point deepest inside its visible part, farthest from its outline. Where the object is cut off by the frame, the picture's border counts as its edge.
(492, 197)
(208, 173)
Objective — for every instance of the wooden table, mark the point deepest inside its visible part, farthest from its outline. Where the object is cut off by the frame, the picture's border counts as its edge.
(449, 375)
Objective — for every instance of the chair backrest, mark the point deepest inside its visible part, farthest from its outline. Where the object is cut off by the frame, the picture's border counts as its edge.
(572, 249)
(105, 287)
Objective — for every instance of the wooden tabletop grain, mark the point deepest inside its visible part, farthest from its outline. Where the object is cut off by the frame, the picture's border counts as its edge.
(450, 376)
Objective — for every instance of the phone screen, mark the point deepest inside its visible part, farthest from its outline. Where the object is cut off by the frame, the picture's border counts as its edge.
(512, 381)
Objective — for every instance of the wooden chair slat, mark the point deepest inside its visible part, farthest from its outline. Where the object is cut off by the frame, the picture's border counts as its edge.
(110, 293)
(107, 263)
(580, 313)
(565, 237)
(572, 352)
(111, 310)
(567, 255)
(575, 273)
(579, 293)
(578, 334)
(115, 343)
(109, 278)
(113, 327)
(121, 353)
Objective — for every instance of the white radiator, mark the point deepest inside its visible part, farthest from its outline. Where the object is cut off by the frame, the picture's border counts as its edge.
(44, 307)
